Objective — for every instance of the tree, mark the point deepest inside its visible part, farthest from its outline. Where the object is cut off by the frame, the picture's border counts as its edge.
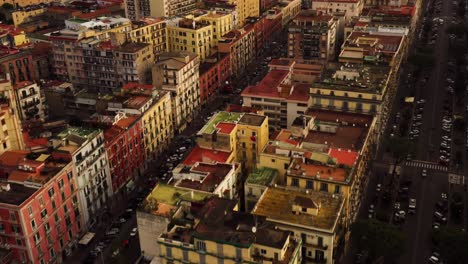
(452, 244)
(379, 239)
(399, 147)
(7, 6)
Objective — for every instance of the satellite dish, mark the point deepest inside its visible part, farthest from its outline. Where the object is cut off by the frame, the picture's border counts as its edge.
(254, 229)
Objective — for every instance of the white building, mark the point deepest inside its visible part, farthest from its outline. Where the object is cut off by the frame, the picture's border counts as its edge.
(177, 73)
(86, 146)
(351, 8)
(30, 101)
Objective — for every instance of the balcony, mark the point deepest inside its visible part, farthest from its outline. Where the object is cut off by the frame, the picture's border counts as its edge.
(317, 246)
(314, 260)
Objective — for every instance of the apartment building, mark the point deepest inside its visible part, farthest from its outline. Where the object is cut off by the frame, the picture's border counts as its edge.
(256, 183)
(17, 63)
(315, 218)
(350, 8)
(242, 135)
(221, 22)
(30, 101)
(311, 37)
(25, 3)
(67, 46)
(85, 148)
(40, 210)
(164, 204)
(124, 144)
(188, 35)
(240, 45)
(178, 73)
(214, 74)
(245, 9)
(289, 10)
(155, 108)
(12, 36)
(10, 135)
(151, 31)
(325, 151)
(282, 100)
(221, 234)
(108, 66)
(137, 9)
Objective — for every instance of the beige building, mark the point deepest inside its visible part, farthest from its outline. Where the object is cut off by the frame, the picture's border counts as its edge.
(350, 8)
(10, 134)
(137, 9)
(188, 35)
(30, 101)
(20, 17)
(312, 37)
(220, 234)
(240, 45)
(245, 9)
(67, 44)
(177, 73)
(152, 31)
(315, 218)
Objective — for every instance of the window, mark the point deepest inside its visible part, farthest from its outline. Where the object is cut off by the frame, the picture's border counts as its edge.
(19, 242)
(295, 182)
(273, 160)
(44, 213)
(3, 122)
(320, 241)
(16, 229)
(169, 252)
(70, 175)
(30, 210)
(33, 224)
(51, 192)
(60, 183)
(12, 216)
(309, 184)
(201, 246)
(41, 201)
(37, 237)
(2, 228)
(337, 188)
(263, 251)
(47, 227)
(185, 255)
(52, 252)
(323, 187)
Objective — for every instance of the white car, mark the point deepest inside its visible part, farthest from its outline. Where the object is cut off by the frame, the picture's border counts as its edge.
(424, 173)
(379, 187)
(134, 232)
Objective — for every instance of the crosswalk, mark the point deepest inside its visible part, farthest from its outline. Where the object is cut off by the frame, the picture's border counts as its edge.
(426, 165)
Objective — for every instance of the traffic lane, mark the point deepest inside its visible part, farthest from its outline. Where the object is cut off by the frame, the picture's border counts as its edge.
(124, 234)
(418, 227)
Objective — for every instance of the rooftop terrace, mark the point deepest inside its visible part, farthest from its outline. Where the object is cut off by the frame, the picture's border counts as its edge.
(354, 77)
(262, 176)
(225, 117)
(277, 205)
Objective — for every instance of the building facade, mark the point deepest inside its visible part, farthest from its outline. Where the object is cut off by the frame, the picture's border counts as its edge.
(214, 74)
(10, 135)
(178, 73)
(30, 101)
(85, 148)
(151, 31)
(40, 211)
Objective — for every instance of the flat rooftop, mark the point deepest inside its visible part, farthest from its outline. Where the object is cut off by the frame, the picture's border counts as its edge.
(316, 171)
(364, 78)
(215, 174)
(276, 204)
(17, 194)
(220, 223)
(132, 47)
(252, 120)
(262, 176)
(345, 137)
(168, 197)
(225, 117)
(206, 155)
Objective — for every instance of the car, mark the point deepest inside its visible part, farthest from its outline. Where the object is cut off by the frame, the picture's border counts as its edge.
(424, 173)
(433, 259)
(440, 217)
(397, 206)
(134, 232)
(400, 214)
(443, 195)
(371, 209)
(436, 225)
(379, 187)
(112, 233)
(412, 205)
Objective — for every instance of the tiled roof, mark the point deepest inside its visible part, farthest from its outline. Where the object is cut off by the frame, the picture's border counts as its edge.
(206, 155)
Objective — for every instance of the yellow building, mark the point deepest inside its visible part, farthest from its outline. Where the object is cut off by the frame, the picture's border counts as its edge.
(20, 17)
(24, 3)
(243, 134)
(245, 9)
(191, 36)
(223, 235)
(315, 218)
(12, 36)
(10, 132)
(150, 30)
(326, 151)
(177, 72)
(221, 22)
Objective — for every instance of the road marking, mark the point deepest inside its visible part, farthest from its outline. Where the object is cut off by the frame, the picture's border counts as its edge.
(425, 165)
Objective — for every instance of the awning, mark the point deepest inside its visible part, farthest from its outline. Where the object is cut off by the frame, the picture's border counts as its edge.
(86, 238)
